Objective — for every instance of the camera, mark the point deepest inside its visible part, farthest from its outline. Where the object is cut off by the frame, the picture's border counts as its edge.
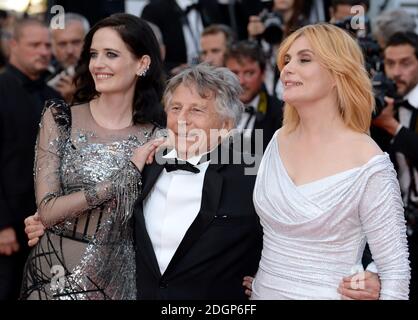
(372, 54)
(383, 87)
(55, 79)
(273, 24)
(357, 31)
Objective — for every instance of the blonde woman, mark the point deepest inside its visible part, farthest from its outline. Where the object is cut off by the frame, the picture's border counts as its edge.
(324, 186)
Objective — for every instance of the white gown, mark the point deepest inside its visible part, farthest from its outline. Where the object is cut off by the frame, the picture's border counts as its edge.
(315, 233)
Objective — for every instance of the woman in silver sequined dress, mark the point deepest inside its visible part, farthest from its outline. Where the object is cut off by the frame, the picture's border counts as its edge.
(324, 186)
(86, 183)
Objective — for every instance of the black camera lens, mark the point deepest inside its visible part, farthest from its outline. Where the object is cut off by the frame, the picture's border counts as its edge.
(273, 24)
(382, 87)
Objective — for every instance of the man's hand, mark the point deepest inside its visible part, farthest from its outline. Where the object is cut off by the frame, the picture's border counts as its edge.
(66, 88)
(8, 242)
(248, 285)
(361, 286)
(386, 119)
(34, 229)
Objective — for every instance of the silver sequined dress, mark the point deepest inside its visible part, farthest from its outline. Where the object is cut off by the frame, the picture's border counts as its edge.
(315, 233)
(85, 189)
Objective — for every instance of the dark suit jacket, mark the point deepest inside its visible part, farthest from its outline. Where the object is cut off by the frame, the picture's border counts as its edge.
(406, 141)
(21, 104)
(222, 245)
(169, 17)
(271, 121)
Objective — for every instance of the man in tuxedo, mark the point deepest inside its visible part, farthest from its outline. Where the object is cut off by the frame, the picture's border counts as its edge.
(23, 92)
(396, 130)
(181, 23)
(197, 233)
(262, 111)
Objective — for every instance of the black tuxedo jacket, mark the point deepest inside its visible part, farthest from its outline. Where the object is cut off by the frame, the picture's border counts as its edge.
(271, 121)
(222, 245)
(169, 17)
(406, 141)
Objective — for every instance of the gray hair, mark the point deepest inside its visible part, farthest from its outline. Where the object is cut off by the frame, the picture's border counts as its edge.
(207, 79)
(75, 17)
(391, 22)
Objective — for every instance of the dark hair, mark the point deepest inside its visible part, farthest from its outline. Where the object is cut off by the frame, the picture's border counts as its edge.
(336, 3)
(401, 38)
(247, 49)
(3, 14)
(140, 40)
(297, 19)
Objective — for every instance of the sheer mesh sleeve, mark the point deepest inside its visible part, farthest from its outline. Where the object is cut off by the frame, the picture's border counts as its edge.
(382, 218)
(53, 205)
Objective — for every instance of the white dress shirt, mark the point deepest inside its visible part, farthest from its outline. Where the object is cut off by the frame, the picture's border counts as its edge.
(171, 207)
(246, 116)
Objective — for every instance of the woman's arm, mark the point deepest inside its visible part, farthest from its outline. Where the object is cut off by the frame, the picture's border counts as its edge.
(53, 205)
(382, 217)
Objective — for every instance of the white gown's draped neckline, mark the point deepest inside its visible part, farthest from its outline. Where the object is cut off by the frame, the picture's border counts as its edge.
(309, 207)
(331, 176)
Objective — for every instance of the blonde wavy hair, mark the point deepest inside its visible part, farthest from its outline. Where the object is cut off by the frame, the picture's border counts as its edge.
(341, 55)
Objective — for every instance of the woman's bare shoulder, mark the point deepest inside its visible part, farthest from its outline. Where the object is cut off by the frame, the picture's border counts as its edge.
(363, 147)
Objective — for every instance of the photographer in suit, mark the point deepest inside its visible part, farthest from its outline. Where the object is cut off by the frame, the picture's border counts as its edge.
(395, 129)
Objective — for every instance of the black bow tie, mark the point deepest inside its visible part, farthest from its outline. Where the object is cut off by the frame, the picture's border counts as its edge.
(249, 109)
(181, 165)
(194, 6)
(405, 104)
